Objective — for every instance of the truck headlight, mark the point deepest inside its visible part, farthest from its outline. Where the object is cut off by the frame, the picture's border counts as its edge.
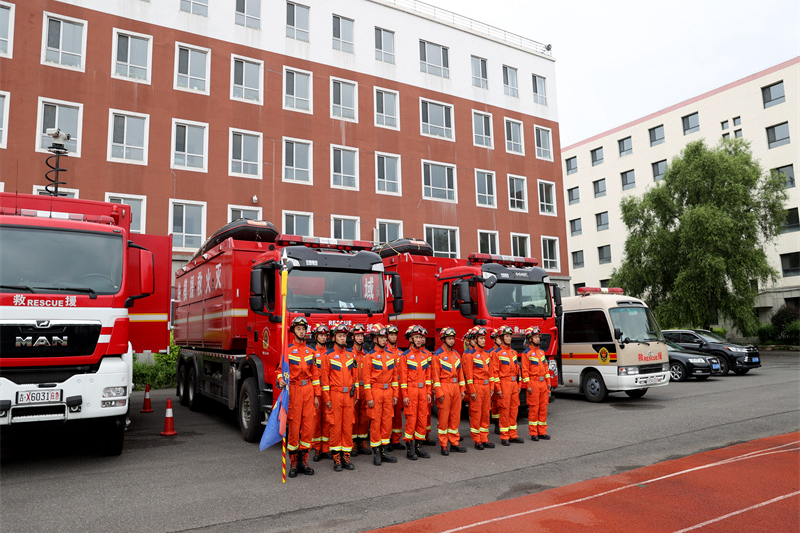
(115, 392)
(665, 367)
(696, 360)
(628, 371)
(736, 349)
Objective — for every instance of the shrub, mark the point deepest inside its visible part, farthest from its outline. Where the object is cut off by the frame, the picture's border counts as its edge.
(766, 332)
(160, 374)
(722, 332)
(791, 335)
(783, 317)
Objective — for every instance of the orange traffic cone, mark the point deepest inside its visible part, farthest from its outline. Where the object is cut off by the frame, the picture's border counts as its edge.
(147, 408)
(169, 425)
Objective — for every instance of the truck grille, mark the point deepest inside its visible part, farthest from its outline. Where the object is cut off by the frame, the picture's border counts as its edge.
(650, 369)
(26, 340)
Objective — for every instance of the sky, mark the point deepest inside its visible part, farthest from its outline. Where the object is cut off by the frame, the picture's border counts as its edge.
(619, 60)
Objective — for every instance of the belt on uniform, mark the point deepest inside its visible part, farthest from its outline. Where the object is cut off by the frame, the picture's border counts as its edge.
(485, 381)
(541, 378)
(384, 386)
(510, 378)
(303, 382)
(344, 389)
(455, 380)
(417, 385)
(360, 383)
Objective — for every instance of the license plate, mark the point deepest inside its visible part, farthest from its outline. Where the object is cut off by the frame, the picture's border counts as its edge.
(651, 379)
(755, 359)
(38, 396)
(715, 367)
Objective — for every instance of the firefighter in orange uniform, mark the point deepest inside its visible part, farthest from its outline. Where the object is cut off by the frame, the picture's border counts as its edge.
(508, 403)
(361, 423)
(397, 411)
(303, 397)
(339, 377)
(322, 428)
(495, 371)
(415, 390)
(536, 376)
(448, 386)
(480, 386)
(381, 392)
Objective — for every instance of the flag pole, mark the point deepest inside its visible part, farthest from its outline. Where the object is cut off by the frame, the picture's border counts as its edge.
(284, 347)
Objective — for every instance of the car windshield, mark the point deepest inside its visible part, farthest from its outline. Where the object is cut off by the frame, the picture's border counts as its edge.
(636, 323)
(518, 299)
(335, 291)
(709, 336)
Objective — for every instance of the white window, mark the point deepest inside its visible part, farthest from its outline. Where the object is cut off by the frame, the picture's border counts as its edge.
(246, 153)
(66, 192)
(343, 34)
(510, 85)
(297, 161)
(344, 167)
(235, 212)
(443, 240)
(66, 116)
(520, 244)
(479, 74)
(187, 223)
(248, 13)
(5, 97)
(439, 181)
(138, 208)
(384, 45)
(515, 143)
(482, 129)
(389, 230)
(550, 253)
(64, 42)
(128, 135)
(343, 227)
(547, 198)
(197, 7)
(190, 145)
(192, 66)
(297, 21)
(387, 174)
(437, 119)
(485, 188)
(539, 90)
(544, 144)
(297, 90)
(433, 59)
(132, 56)
(517, 193)
(6, 29)
(386, 108)
(246, 76)
(298, 223)
(487, 241)
(344, 95)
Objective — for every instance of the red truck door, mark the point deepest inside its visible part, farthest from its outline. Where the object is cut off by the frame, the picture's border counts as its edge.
(149, 316)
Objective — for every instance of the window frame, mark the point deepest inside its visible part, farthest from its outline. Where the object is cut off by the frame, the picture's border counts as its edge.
(295, 28)
(310, 169)
(347, 47)
(424, 162)
(448, 228)
(539, 98)
(483, 114)
(493, 176)
(145, 140)
(491, 233)
(444, 57)
(142, 198)
(621, 144)
(600, 260)
(37, 189)
(192, 3)
(571, 169)
(599, 194)
(310, 110)
(508, 89)
(598, 220)
(356, 219)
(247, 16)
(422, 124)
(354, 84)
(387, 221)
(577, 199)
(789, 178)
(552, 185)
(381, 51)
(310, 216)
(655, 141)
(774, 101)
(207, 79)
(507, 120)
(778, 142)
(356, 167)
(527, 237)
(260, 64)
(658, 177)
(171, 222)
(256, 208)
(398, 157)
(792, 271)
(375, 92)
(593, 153)
(11, 19)
(483, 77)
(4, 111)
(40, 117)
(630, 184)
(204, 125)
(557, 260)
(576, 265)
(46, 16)
(260, 157)
(686, 123)
(524, 180)
(116, 33)
(536, 137)
(576, 229)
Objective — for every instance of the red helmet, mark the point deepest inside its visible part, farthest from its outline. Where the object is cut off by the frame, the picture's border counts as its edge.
(506, 330)
(480, 331)
(530, 332)
(415, 330)
(320, 329)
(380, 331)
(494, 333)
(340, 328)
(391, 328)
(359, 328)
(298, 321)
(373, 329)
(447, 332)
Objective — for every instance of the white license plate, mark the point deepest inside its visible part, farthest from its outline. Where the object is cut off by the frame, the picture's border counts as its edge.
(651, 379)
(755, 359)
(38, 396)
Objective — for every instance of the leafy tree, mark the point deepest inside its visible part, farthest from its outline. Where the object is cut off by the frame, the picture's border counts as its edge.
(696, 241)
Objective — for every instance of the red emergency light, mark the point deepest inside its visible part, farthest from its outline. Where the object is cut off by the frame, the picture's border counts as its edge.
(600, 290)
(77, 217)
(322, 242)
(508, 260)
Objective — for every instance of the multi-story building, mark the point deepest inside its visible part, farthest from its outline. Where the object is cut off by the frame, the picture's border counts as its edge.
(370, 119)
(600, 171)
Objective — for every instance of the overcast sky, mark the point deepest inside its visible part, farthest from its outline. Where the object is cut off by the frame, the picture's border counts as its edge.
(618, 60)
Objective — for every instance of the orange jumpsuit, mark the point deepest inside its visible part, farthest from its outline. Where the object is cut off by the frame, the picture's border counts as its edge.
(322, 427)
(361, 423)
(380, 386)
(479, 381)
(494, 366)
(415, 384)
(448, 384)
(536, 376)
(338, 375)
(303, 386)
(508, 405)
(397, 410)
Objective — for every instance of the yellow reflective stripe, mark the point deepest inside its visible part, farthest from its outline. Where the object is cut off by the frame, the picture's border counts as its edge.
(461, 383)
(469, 381)
(394, 384)
(326, 387)
(404, 386)
(368, 386)
(315, 382)
(437, 384)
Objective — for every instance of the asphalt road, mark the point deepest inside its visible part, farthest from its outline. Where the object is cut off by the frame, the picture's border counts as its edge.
(208, 479)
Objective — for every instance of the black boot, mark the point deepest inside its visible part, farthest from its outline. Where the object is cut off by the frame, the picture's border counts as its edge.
(385, 457)
(410, 452)
(293, 464)
(489, 445)
(337, 461)
(376, 456)
(444, 451)
(419, 451)
(302, 464)
(398, 446)
(317, 455)
(497, 428)
(346, 461)
(429, 442)
(457, 448)
(363, 448)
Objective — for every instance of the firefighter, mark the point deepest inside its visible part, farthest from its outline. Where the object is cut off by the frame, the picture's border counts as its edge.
(304, 397)
(495, 372)
(397, 414)
(536, 376)
(380, 393)
(508, 403)
(339, 376)
(361, 423)
(415, 390)
(480, 387)
(448, 386)
(322, 428)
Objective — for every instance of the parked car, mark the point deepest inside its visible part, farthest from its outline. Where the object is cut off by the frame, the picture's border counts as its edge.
(685, 364)
(740, 359)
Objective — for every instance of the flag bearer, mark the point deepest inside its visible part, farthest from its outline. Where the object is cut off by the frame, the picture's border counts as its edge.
(536, 376)
(448, 386)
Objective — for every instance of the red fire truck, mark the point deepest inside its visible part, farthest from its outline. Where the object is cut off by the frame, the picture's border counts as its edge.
(228, 316)
(79, 293)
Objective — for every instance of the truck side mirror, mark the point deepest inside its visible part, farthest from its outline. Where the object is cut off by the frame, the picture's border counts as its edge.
(397, 293)
(464, 299)
(557, 299)
(147, 280)
(617, 333)
(490, 281)
(257, 297)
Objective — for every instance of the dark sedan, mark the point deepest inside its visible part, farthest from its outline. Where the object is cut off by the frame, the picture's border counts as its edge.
(739, 359)
(684, 364)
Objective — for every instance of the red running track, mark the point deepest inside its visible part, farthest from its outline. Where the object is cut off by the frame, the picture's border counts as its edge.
(746, 488)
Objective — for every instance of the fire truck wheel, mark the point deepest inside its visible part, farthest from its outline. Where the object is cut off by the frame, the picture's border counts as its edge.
(182, 396)
(594, 388)
(193, 398)
(112, 436)
(636, 393)
(249, 423)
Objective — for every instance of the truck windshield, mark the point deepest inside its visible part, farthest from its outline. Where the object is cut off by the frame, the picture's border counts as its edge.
(637, 323)
(335, 291)
(518, 299)
(41, 260)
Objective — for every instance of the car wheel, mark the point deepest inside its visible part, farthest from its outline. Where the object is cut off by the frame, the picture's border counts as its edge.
(741, 371)
(249, 421)
(677, 372)
(702, 378)
(182, 396)
(193, 398)
(594, 388)
(723, 365)
(636, 393)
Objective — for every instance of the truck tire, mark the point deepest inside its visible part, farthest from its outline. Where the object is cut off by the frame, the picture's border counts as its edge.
(249, 411)
(182, 396)
(112, 437)
(636, 393)
(193, 399)
(594, 389)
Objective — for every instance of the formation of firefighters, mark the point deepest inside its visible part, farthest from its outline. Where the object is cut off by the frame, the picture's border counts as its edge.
(347, 401)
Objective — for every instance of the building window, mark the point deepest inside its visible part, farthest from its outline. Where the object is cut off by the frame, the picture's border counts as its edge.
(520, 245)
(437, 119)
(297, 90)
(792, 222)
(724, 125)
(737, 121)
(788, 174)
(487, 242)
(388, 174)
(479, 73)
(790, 264)
(482, 129)
(345, 227)
(575, 228)
(604, 254)
(577, 260)
(248, 13)
(344, 95)
(778, 135)
(384, 45)
(129, 134)
(191, 144)
(604, 283)
(196, 7)
(691, 123)
(599, 188)
(237, 212)
(4, 98)
(726, 136)
(297, 162)
(41, 190)
(515, 143)
(544, 144)
(574, 195)
(438, 181)
(517, 193)
(737, 134)
(343, 34)
(659, 167)
(192, 68)
(433, 59)
(625, 146)
(550, 253)
(297, 19)
(187, 222)
(510, 86)
(298, 223)
(386, 114)
(484, 187)
(64, 42)
(547, 198)
(344, 162)
(628, 180)
(246, 79)
(246, 153)
(132, 56)
(389, 230)
(539, 90)
(773, 94)
(6, 29)
(137, 204)
(577, 286)
(656, 135)
(597, 156)
(66, 116)
(443, 240)
(572, 165)
(602, 221)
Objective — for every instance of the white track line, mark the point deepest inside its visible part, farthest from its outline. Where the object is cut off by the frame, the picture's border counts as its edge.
(740, 511)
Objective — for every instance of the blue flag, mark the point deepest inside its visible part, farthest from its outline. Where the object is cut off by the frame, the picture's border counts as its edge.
(276, 425)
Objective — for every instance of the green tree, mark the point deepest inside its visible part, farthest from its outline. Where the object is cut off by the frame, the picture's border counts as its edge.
(696, 241)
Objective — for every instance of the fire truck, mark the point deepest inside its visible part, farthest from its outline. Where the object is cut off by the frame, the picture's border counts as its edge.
(79, 294)
(228, 318)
